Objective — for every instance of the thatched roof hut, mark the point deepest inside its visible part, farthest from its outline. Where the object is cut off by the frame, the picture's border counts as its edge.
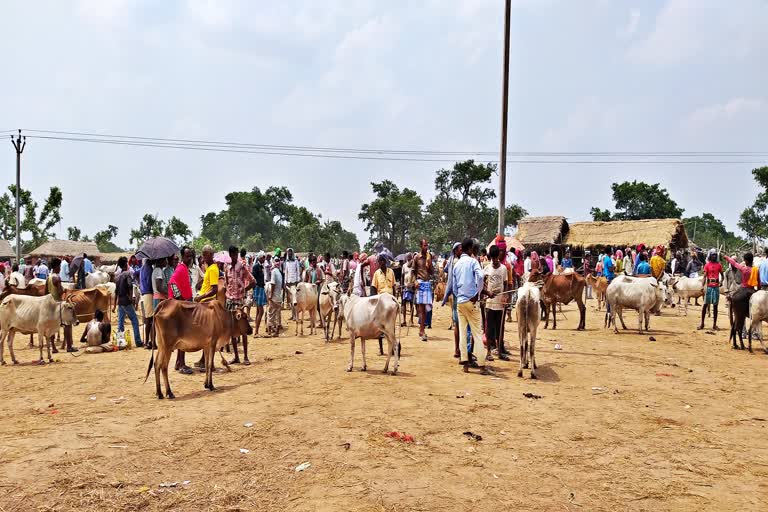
(540, 233)
(512, 243)
(65, 248)
(6, 251)
(628, 233)
(110, 258)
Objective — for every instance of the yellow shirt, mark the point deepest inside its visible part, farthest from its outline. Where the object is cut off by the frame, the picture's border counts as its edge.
(657, 266)
(210, 280)
(382, 283)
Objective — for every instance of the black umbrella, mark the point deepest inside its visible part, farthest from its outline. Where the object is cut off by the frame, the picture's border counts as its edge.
(157, 248)
(402, 257)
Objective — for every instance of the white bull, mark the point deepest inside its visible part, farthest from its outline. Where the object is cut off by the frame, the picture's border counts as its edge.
(94, 278)
(370, 318)
(110, 288)
(329, 301)
(758, 313)
(306, 300)
(643, 294)
(687, 288)
(28, 315)
(528, 316)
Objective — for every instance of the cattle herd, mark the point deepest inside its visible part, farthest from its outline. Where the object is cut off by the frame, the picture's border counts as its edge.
(210, 327)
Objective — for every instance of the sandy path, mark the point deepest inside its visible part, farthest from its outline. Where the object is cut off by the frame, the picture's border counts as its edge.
(678, 424)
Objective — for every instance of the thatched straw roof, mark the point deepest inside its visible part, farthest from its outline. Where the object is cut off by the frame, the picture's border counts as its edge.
(65, 248)
(628, 233)
(112, 257)
(541, 230)
(5, 249)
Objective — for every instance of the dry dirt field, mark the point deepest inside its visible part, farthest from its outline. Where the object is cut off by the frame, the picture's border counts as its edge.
(623, 423)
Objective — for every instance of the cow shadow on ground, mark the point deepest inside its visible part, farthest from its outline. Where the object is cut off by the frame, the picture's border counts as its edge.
(204, 392)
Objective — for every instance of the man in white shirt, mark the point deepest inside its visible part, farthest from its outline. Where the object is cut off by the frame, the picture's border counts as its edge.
(17, 278)
(292, 274)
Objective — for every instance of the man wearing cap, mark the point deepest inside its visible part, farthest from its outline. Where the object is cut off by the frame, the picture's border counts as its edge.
(292, 273)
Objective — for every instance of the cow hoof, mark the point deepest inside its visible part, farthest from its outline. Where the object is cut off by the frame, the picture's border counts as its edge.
(349, 368)
(211, 389)
(533, 376)
(171, 396)
(385, 371)
(364, 369)
(3, 363)
(160, 396)
(520, 373)
(55, 350)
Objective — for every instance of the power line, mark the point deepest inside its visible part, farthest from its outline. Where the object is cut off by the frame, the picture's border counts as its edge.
(324, 149)
(225, 149)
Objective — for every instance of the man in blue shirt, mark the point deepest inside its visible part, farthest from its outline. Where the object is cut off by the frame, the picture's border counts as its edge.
(145, 286)
(467, 282)
(762, 272)
(643, 268)
(608, 265)
(87, 264)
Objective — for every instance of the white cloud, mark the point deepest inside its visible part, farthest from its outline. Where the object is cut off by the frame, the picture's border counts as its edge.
(218, 14)
(686, 29)
(631, 26)
(732, 109)
(590, 120)
(101, 12)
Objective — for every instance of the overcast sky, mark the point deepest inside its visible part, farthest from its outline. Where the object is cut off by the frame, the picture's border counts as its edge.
(601, 75)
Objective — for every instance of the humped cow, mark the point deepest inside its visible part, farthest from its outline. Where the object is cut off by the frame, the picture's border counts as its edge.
(329, 302)
(27, 315)
(687, 288)
(643, 294)
(97, 277)
(306, 300)
(561, 289)
(599, 284)
(370, 318)
(189, 327)
(528, 297)
(758, 313)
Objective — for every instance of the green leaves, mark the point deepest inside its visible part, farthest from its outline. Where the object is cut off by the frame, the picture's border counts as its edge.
(754, 219)
(37, 225)
(637, 200)
(151, 226)
(707, 231)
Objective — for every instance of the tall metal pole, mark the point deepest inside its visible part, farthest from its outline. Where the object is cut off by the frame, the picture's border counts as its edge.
(504, 104)
(19, 145)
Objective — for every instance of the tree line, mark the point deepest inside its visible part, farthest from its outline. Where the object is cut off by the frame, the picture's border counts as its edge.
(464, 206)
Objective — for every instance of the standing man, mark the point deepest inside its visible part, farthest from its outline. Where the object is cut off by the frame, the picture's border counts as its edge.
(496, 282)
(408, 284)
(384, 278)
(124, 305)
(259, 294)
(275, 299)
(159, 283)
(658, 264)
(54, 288)
(64, 273)
(87, 264)
(17, 278)
(422, 269)
(145, 287)
(29, 269)
(238, 283)
(292, 278)
(180, 288)
(712, 274)
(466, 285)
(210, 286)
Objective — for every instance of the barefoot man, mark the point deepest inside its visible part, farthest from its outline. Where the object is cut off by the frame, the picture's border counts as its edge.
(422, 269)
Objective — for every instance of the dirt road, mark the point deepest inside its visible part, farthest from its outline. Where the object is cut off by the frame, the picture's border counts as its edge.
(623, 423)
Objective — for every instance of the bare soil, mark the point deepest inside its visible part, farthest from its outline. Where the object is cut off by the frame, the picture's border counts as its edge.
(623, 423)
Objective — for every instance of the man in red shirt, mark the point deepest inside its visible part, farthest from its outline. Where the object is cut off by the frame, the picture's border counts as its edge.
(712, 273)
(180, 288)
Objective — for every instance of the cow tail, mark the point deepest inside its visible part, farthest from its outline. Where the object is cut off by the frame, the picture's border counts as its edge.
(152, 354)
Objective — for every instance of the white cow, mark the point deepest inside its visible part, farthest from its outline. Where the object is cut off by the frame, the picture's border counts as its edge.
(329, 300)
(528, 316)
(94, 278)
(758, 313)
(110, 288)
(643, 294)
(28, 315)
(343, 299)
(369, 318)
(109, 269)
(687, 288)
(306, 300)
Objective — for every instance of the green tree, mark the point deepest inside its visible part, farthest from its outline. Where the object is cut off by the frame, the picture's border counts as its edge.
(73, 233)
(463, 206)
(393, 216)
(152, 226)
(637, 200)
(104, 238)
(754, 219)
(707, 231)
(36, 223)
(178, 231)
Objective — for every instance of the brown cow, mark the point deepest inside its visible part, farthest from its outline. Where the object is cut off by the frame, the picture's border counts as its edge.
(599, 285)
(189, 327)
(561, 289)
(86, 303)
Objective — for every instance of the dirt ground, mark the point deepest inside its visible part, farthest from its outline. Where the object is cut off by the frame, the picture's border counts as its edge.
(623, 423)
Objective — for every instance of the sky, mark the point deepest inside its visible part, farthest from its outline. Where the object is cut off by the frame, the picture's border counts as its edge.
(592, 75)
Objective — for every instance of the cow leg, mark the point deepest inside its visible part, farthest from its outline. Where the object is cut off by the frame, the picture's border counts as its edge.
(554, 316)
(3, 335)
(532, 353)
(166, 364)
(522, 335)
(210, 353)
(31, 341)
(546, 315)
(582, 314)
(351, 351)
(233, 341)
(158, 365)
(362, 351)
(246, 361)
(640, 315)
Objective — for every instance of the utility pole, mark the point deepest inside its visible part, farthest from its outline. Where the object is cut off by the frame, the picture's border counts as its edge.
(504, 104)
(19, 144)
